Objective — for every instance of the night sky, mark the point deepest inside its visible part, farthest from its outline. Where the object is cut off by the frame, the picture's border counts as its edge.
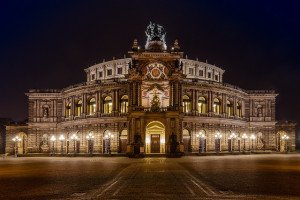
(48, 44)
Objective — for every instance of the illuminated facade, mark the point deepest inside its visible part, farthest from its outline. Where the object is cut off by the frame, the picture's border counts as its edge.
(153, 93)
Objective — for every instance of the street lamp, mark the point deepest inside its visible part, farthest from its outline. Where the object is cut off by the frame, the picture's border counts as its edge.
(244, 137)
(218, 137)
(202, 141)
(285, 138)
(252, 138)
(107, 137)
(53, 139)
(16, 140)
(74, 137)
(61, 139)
(232, 137)
(90, 137)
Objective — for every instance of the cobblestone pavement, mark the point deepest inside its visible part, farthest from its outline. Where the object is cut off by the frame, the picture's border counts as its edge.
(213, 177)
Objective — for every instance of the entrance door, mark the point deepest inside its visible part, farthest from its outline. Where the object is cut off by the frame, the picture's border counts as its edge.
(155, 143)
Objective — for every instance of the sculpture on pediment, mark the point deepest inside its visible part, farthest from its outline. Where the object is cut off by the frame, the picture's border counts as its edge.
(155, 37)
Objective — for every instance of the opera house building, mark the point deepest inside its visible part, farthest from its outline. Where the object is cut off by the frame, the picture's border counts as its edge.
(153, 97)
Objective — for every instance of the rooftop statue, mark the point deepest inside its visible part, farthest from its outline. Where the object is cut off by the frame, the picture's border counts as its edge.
(155, 37)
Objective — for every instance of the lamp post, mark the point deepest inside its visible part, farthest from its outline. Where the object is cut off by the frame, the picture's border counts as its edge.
(74, 137)
(202, 142)
(53, 139)
(244, 137)
(61, 139)
(90, 137)
(16, 140)
(108, 137)
(218, 137)
(252, 138)
(285, 138)
(232, 137)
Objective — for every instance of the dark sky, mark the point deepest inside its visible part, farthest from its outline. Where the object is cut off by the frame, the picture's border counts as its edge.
(47, 44)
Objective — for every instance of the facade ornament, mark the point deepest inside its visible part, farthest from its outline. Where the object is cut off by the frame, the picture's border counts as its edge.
(175, 46)
(135, 45)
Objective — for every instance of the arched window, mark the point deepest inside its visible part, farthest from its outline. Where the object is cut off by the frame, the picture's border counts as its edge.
(78, 108)
(186, 103)
(124, 104)
(239, 110)
(108, 105)
(202, 104)
(92, 106)
(68, 110)
(216, 106)
(229, 108)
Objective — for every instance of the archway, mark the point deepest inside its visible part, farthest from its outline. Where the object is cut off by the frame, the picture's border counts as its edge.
(155, 137)
(123, 141)
(22, 145)
(186, 140)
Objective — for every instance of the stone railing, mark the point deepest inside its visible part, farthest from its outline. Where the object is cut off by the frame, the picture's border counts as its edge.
(214, 115)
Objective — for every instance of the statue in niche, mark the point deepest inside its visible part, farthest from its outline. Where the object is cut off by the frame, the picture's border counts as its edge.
(259, 111)
(45, 112)
(44, 144)
(260, 141)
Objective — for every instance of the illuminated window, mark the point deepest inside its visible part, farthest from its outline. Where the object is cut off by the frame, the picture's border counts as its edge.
(78, 110)
(108, 105)
(186, 104)
(202, 104)
(216, 106)
(68, 110)
(92, 106)
(124, 104)
(229, 108)
(239, 110)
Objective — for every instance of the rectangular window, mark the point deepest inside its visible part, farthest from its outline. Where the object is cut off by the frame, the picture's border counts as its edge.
(109, 72)
(93, 77)
(100, 74)
(201, 73)
(120, 70)
(209, 75)
(216, 77)
(191, 71)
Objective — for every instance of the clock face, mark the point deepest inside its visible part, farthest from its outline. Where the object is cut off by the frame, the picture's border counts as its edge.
(156, 71)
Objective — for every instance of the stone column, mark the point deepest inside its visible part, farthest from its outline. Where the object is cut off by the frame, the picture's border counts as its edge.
(84, 105)
(100, 103)
(114, 101)
(73, 107)
(117, 101)
(210, 102)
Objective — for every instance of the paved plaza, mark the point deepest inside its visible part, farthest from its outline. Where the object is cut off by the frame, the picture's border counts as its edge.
(205, 177)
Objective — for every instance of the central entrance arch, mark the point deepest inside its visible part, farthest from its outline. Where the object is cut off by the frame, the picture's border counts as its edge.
(155, 137)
